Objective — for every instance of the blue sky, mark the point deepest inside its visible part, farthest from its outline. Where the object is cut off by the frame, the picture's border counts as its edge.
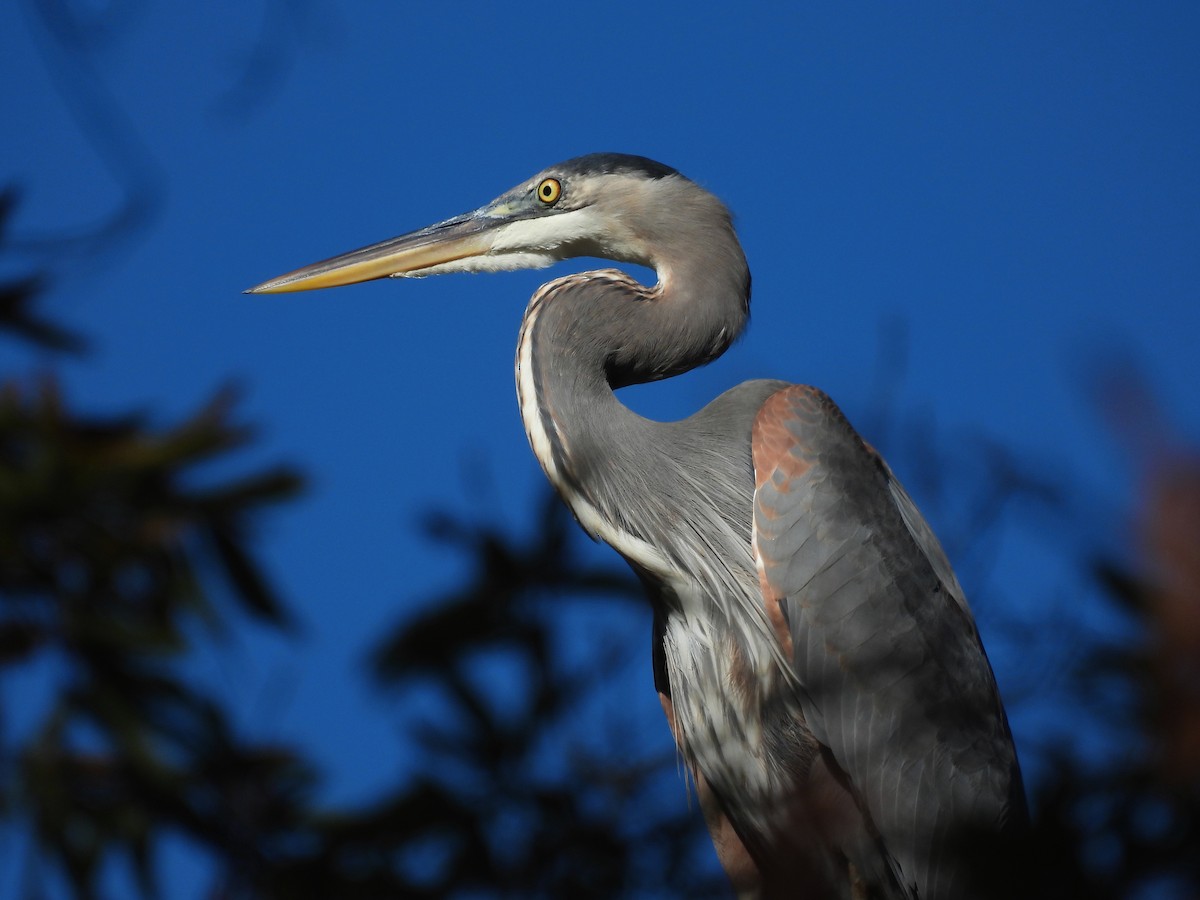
(1017, 183)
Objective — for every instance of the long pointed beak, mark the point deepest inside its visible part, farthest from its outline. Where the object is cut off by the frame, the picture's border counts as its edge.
(409, 254)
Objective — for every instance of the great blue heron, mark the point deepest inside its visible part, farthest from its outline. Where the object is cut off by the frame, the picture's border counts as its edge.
(817, 662)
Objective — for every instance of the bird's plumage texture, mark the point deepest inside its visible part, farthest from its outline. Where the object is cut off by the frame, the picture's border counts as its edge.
(892, 675)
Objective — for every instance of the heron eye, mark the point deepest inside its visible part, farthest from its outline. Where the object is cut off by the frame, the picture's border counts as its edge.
(549, 190)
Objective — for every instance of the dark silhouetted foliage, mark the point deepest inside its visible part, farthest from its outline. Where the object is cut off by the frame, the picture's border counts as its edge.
(110, 549)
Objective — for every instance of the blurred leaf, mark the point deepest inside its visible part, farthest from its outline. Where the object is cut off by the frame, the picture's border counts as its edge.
(18, 318)
(254, 594)
(19, 640)
(17, 315)
(1122, 585)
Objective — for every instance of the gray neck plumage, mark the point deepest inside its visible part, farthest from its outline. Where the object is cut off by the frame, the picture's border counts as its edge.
(585, 335)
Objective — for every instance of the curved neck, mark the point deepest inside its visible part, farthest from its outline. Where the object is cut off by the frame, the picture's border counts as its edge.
(607, 322)
(585, 335)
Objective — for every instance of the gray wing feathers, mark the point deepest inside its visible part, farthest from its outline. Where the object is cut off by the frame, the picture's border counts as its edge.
(925, 538)
(893, 677)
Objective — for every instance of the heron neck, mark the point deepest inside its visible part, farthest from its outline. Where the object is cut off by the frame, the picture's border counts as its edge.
(585, 335)
(607, 322)
(698, 308)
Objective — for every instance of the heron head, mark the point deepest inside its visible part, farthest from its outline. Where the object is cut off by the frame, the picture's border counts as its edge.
(609, 205)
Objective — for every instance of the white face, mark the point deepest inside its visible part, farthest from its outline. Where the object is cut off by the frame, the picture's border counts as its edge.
(548, 232)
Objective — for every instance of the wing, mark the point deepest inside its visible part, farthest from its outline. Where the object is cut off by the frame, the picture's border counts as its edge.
(893, 677)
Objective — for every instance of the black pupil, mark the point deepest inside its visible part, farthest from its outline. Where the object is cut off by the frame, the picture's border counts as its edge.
(547, 190)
